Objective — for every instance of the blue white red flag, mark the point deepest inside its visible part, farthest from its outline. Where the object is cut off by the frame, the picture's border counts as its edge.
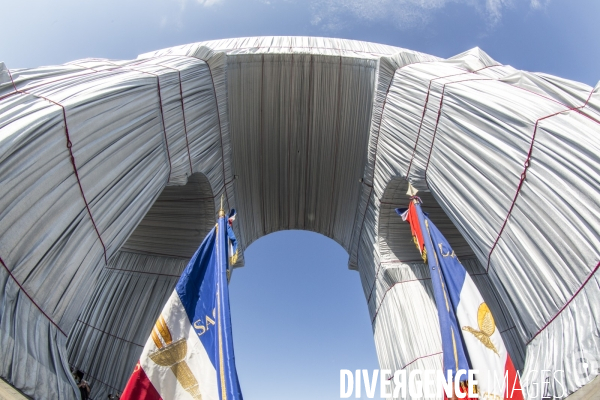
(470, 338)
(189, 354)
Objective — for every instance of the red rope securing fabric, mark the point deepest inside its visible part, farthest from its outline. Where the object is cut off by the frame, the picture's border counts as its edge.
(72, 158)
(162, 114)
(31, 298)
(16, 91)
(187, 143)
(590, 276)
(526, 167)
(109, 334)
(377, 145)
(439, 114)
(219, 120)
(425, 109)
(380, 267)
(388, 289)
(125, 67)
(362, 224)
(377, 140)
(147, 273)
(418, 358)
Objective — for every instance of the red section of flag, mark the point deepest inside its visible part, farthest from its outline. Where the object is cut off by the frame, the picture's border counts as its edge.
(139, 386)
(513, 391)
(415, 228)
(463, 390)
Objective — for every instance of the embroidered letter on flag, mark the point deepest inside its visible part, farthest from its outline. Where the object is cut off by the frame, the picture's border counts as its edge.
(467, 325)
(189, 354)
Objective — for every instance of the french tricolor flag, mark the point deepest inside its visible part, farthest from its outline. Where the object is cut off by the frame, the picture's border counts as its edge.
(470, 338)
(189, 354)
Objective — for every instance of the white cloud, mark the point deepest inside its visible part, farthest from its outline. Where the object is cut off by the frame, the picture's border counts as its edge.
(208, 3)
(404, 13)
(537, 4)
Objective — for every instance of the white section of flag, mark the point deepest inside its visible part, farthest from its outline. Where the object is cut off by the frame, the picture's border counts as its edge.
(490, 366)
(162, 378)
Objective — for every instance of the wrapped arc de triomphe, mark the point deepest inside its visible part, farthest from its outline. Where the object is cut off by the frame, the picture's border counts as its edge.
(110, 172)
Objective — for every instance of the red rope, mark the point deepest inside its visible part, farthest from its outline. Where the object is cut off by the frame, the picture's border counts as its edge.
(423, 117)
(508, 329)
(362, 224)
(388, 289)
(224, 187)
(219, 119)
(31, 298)
(72, 158)
(379, 268)
(147, 273)
(418, 358)
(109, 334)
(439, 116)
(526, 167)
(17, 91)
(187, 143)
(162, 116)
(377, 143)
(566, 304)
(426, 104)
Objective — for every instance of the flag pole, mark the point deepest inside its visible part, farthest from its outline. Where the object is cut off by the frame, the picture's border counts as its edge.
(221, 210)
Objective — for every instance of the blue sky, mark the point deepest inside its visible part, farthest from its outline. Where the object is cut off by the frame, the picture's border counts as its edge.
(553, 36)
(299, 313)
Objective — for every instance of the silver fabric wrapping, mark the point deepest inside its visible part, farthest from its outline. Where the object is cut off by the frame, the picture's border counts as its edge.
(48, 240)
(465, 129)
(110, 333)
(298, 133)
(108, 338)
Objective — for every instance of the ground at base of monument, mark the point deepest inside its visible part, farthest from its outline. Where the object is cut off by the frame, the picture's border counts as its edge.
(591, 391)
(7, 392)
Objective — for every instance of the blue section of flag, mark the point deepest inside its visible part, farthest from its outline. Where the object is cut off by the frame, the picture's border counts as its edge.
(454, 353)
(227, 379)
(204, 293)
(197, 291)
(453, 271)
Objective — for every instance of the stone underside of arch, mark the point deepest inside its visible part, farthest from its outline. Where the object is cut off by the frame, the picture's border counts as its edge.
(112, 170)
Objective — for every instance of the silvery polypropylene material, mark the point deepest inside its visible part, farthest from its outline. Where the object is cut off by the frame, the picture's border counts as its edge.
(111, 172)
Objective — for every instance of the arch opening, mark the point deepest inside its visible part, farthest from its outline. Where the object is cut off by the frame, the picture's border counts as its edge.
(402, 291)
(295, 304)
